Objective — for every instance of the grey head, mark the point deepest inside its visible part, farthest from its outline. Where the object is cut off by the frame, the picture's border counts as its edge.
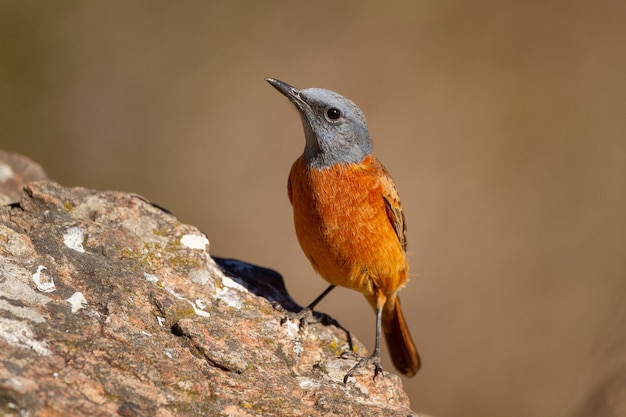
(334, 127)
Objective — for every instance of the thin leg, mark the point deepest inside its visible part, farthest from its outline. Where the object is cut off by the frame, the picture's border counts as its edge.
(379, 325)
(320, 297)
(306, 316)
(374, 358)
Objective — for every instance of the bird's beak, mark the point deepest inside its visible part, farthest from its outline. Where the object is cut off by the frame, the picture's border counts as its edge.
(292, 93)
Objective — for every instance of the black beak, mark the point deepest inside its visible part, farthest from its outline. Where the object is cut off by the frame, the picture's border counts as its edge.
(292, 93)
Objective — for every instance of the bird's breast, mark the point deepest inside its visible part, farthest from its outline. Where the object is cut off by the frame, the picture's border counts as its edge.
(343, 227)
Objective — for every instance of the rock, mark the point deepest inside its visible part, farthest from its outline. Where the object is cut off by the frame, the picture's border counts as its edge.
(111, 306)
(15, 171)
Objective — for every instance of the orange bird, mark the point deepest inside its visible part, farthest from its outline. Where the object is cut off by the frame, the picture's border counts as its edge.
(348, 217)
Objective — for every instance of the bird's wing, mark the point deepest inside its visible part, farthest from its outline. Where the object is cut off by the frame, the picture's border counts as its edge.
(289, 189)
(393, 207)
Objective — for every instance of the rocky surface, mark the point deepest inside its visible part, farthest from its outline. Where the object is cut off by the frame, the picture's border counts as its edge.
(110, 306)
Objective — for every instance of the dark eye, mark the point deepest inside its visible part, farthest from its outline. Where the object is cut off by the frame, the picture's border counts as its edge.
(333, 113)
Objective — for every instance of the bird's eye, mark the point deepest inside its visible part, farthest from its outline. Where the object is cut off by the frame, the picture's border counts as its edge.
(333, 113)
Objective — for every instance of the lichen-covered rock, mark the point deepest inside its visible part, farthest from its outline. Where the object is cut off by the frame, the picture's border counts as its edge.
(110, 306)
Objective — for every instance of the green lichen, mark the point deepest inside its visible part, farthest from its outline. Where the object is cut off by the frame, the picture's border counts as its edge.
(335, 348)
(148, 258)
(68, 206)
(179, 312)
(180, 259)
(156, 253)
(110, 397)
(161, 232)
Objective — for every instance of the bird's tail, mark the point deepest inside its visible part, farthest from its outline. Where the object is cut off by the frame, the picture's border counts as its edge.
(401, 347)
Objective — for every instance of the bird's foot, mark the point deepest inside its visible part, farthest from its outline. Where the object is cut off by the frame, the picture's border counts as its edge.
(373, 359)
(305, 316)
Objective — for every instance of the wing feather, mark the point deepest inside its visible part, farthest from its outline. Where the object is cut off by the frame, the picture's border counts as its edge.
(394, 208)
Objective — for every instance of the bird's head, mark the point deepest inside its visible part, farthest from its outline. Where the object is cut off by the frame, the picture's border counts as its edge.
(334, 127)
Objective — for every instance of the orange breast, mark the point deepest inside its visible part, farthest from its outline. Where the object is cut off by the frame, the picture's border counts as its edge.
(343, 226)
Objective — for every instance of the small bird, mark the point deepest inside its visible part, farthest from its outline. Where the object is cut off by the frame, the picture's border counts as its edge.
(348, 217)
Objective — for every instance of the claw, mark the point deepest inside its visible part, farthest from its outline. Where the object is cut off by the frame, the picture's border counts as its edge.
(374, 360)
(304, 316)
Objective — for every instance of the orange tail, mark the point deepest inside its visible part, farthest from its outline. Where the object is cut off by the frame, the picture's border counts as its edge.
(399, 341)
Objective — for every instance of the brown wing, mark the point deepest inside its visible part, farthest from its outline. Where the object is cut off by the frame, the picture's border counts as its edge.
(289, 189)
(291, 173)
(394, 208)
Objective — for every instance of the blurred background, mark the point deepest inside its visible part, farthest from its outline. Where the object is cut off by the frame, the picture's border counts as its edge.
(502, 123)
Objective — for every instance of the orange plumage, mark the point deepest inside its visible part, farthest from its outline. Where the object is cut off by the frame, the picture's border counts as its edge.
(343, 225)
(347, 219)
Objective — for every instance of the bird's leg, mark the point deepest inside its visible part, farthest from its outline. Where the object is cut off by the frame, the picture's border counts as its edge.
(320, 297)
(374, 358)
(306, 315)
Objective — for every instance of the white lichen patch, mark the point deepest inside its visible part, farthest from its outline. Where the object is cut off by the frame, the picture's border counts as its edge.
(230, 283)
(150, 278)
(172, 291)
(19, 287)
(308, 384)
(18, 333)
(194, 241)
(74, 237)
(229, 294)
(298, 348)
(77, 301)
(43, 281)
(196, 306)
(199, 312)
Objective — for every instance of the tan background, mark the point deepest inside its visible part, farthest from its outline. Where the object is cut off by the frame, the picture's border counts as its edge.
(502, 122)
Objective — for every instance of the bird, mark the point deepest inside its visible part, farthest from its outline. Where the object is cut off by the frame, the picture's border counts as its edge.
(348, 217)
